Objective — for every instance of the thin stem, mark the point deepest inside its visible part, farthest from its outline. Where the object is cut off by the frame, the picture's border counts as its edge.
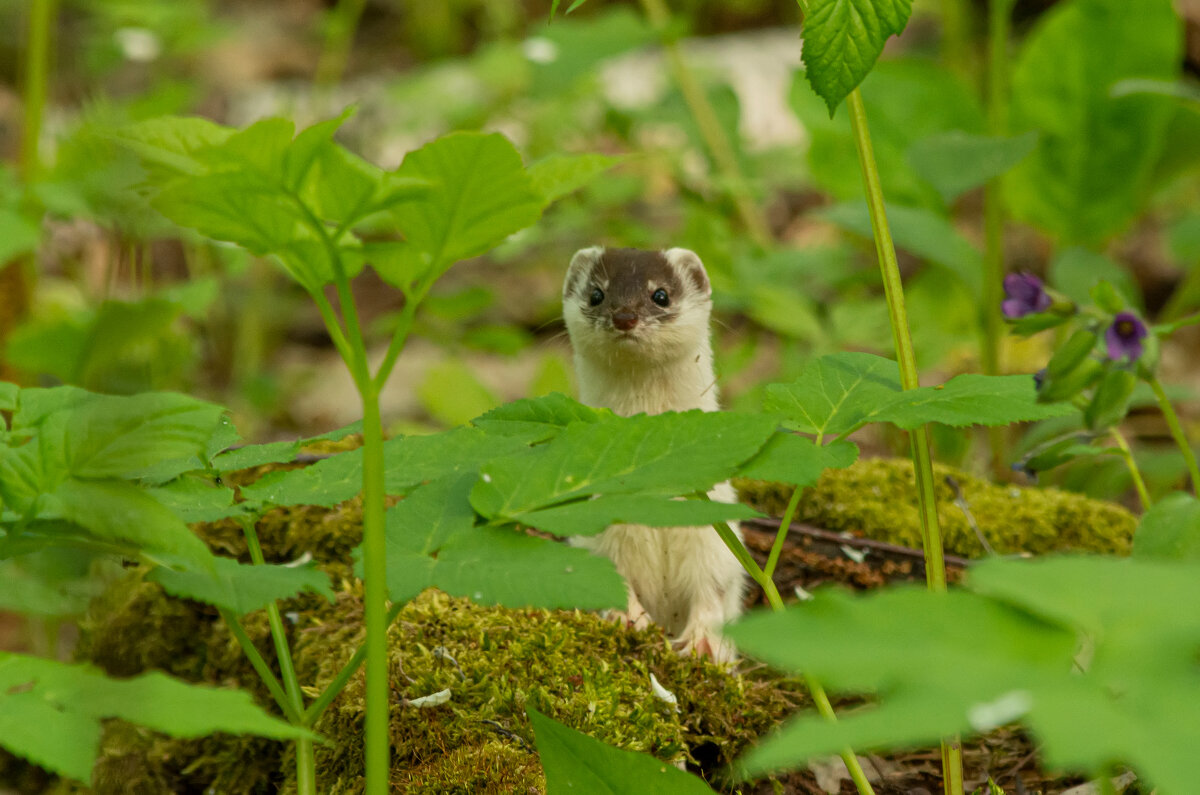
(710, 128)
(375, 596)
(37, 70)
(260, 666)
(1177, 433)
(339, 35)
(935, 566)
(956, 49)
(318, 707)
(1134, 472)
(776, 601)
(999, 14)
(777, 548)
(306, 776)
(404, 326)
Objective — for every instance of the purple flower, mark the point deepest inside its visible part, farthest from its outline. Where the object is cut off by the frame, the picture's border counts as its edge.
(1023, 295)
(1124, 337)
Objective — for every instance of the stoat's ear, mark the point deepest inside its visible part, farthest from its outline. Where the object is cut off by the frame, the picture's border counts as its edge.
(690, 269)
(580, 269)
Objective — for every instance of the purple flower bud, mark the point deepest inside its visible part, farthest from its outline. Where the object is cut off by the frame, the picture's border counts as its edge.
(1124, 337)
(1024, 295)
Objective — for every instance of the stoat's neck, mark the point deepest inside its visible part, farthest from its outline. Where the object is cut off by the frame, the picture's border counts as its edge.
(630, 386)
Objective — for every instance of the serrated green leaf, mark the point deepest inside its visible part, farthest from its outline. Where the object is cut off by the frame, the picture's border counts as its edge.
(71, 698)
(109, 436)
(240, 587)
(1096, 154)
(538, 419)
(834, 394)
(838, 394)
(843, 39)
(574, 762)
(588, 517)
(171, 143)
(955, 162)
(1170, 529)
(558, 175)
(796, 460)
(666, 454)
(116, 510)
(255, 455)
(198, 499)
(482, 195)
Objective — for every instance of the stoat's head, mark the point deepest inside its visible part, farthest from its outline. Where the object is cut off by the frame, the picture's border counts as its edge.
(625, 304)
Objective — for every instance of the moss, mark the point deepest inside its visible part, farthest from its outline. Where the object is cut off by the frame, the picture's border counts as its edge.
(877, 498)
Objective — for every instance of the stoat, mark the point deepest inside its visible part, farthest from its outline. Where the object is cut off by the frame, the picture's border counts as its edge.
(639, 326)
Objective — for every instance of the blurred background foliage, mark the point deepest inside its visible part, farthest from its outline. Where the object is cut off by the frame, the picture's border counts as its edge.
(1100, 147)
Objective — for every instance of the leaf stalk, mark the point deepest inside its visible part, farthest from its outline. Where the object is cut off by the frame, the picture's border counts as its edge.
(1177, 432)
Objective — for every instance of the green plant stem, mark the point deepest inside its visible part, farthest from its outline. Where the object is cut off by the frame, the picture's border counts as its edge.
(408, 314)
(318, 707)
(710, 128)
(375, 596)
(42, 14)
(1138, 483)
(956, 45)
(339, 35)
(306, 776)
(777, 548)
(1177, 433)
(763, 578)
(260, 666)
(999, 14)
(935, 565)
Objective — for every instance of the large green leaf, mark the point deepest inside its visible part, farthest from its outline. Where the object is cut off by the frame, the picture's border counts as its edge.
(797, 460)
(1170, 529)
(50, 712)
(954, 162)
(665, 454)
(574, 762)
(432, 542)
(240, 587)
(843, 39)
(255, 455)
(538, 419)
(588, 517)
(840, 393)
(483, 194)
(1096, 153)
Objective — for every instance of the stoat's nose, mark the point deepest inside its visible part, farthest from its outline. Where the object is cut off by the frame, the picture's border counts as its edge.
(624, 319)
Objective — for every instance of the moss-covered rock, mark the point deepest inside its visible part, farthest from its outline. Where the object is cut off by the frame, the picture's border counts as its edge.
(876, 498)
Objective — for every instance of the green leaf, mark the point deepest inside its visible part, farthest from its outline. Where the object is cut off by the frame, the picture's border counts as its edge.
(1111, 400)
(452, 394)
(483, 194)
(255, 455)
(796, 460)
(665, 454)
(838, 394)
(558, 175)
(574, 762)
(240, 587)
(538, 419)
(432, 542)
(53, 582)
(843, 39)
(1076, 271)
(921, 232)
(1170, 529)
(588, 517)
(18, 235)
(171, 144)
(1092, 168)
(955, 162)
(834, 394)
(8, 396)
(109, 436)
(50, 712)
(117, 510)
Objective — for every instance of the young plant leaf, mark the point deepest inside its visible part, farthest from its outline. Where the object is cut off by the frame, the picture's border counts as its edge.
(50, 712)
(834, 394)
(954, 162)
(1096, 154)
(666, 454)
(574, 762)
(538, 419)
(240, 587)
(969, 399)
(1170, 529)
(797, 460)
(559, 175)
(483, 194)
(843, 39)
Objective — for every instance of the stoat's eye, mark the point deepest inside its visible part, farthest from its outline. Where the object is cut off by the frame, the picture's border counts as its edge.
(660, 297)
(596, 298)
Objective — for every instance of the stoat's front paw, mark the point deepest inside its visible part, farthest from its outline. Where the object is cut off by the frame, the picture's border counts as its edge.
(635, 616)
(707, 644)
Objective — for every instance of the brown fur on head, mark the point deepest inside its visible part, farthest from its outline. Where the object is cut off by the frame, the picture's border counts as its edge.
(625, 303)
